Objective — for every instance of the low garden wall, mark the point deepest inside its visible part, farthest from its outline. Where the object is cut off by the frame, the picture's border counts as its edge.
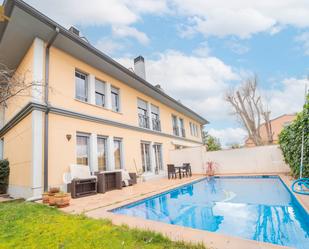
(255, 160)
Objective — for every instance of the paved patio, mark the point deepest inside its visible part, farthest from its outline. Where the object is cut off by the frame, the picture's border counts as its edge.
(126, 194)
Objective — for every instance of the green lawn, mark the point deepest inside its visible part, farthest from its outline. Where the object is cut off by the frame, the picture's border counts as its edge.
(29, 225)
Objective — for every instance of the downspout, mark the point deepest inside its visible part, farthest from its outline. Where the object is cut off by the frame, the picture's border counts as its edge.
(46, 124)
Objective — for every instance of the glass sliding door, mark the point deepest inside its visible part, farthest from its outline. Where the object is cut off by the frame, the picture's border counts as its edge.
(145, 150)
(158, 157)
(101, 153)
(117, 153)
(82, 149)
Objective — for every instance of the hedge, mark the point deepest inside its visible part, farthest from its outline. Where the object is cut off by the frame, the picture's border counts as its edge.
(4, 175)
(290, 142)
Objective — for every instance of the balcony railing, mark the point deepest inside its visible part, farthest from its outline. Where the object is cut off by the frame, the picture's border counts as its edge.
(143, 121)
(175, 131)
(156, 124)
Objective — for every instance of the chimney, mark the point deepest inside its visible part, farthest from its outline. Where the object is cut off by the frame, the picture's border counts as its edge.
(74, 30)
(159, 87)
(139, 67)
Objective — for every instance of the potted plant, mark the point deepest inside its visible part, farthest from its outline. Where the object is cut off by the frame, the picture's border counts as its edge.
(51, 196)
(210, 168)
(45, 197)
(62, 199)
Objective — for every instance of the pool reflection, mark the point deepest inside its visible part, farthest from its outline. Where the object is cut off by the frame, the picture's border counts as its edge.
(258, 209)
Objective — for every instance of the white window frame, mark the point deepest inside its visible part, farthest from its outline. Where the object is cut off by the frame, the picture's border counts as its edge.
(143, 154)
(81, 98)
(117, 109)
(120, 140)
(101, 93)
(87, 135)
(105, 150)
(158, 159)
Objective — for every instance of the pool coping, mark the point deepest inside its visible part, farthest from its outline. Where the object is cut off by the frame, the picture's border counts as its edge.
(180, 233)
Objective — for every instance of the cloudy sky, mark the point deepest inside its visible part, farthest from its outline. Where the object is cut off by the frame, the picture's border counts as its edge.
(196, 49)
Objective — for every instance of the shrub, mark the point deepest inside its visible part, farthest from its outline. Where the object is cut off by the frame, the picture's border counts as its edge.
(290, 140)
(4, 176)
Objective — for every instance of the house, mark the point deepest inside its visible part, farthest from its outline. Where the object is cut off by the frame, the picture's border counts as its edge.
(276, 126)
(88, 109)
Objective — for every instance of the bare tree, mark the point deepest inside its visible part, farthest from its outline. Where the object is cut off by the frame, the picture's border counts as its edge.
(248, 108)
(13, 83)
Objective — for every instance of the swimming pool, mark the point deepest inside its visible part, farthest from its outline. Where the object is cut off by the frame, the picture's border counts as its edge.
(257, 208)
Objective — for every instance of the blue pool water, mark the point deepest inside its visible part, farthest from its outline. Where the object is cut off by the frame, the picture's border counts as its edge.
(258, 208)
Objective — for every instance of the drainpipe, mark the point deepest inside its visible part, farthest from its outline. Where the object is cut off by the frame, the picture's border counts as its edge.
(46, 124)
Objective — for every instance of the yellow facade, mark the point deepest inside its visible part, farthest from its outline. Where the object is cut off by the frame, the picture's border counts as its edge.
(24, 72)
(62, 94)
(61, 150)
(18, 150)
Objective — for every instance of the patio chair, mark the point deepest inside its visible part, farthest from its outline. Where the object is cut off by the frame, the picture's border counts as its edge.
(171, 172)
(187, 169)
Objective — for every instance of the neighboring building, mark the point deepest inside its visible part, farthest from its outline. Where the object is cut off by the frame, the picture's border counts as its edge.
(276, 126)
(95, 112)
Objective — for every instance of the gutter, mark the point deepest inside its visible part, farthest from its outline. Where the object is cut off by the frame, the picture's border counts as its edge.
(46, 123)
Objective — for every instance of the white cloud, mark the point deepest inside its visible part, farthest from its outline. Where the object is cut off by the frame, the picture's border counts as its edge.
(202, 50)
(288, 98)
(229, 136)
(303, 39)
(72, 12)
(125, 31)
(199, 82)
(236, 47)
(108, 45)
(243, 18)
(148, 6)
(119, 14)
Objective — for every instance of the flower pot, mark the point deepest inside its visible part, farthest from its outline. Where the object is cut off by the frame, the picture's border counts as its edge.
(51, 199)
(45, 198)
(62, 200)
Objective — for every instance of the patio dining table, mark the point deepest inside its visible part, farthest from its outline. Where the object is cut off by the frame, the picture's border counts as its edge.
(179, 168)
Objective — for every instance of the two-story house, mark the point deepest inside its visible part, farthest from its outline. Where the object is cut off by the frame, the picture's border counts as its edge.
(88, 109)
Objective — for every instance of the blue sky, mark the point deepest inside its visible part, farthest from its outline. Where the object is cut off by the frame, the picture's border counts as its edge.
(198, 49)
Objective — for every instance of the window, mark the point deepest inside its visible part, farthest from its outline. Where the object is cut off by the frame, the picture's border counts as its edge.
(115, 99)
(194, 129)
(82, 143)
(175, 126)
(182, 128)
(117, 153)
(81, 86)
(158, 157)
(145, 150)
(99, 93)
(191, 129)
(155, 118)
(1, 148)
(143, 120)
(101, 153)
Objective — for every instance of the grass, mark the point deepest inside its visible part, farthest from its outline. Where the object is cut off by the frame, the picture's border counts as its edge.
(30, 225)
